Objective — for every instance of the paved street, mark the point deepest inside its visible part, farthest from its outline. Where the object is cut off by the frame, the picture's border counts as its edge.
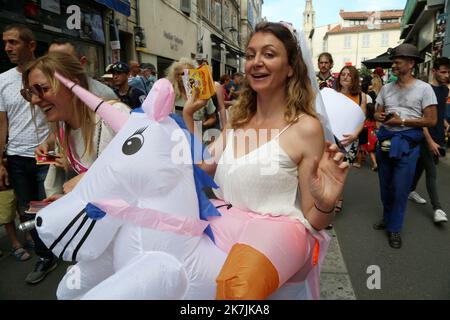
(419, 270)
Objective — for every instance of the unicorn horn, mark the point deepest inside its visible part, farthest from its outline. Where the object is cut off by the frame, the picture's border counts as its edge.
(113, 117)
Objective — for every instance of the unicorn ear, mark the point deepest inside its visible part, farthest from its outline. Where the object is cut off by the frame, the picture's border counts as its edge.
(160, 101)
(113, 117)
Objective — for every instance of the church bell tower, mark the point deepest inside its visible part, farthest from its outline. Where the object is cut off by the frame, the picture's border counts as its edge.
(309, 19)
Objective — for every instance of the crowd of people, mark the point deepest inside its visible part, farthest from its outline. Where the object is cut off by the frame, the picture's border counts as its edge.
(403, 135)
(405, 131)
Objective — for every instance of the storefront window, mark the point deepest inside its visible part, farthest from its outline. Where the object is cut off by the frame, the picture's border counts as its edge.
(48, 20)
(53, 16)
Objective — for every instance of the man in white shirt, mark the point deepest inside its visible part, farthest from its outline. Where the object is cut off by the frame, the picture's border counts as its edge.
(24, 134)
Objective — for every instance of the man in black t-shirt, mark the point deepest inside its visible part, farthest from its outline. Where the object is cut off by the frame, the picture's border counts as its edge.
(433, 146)
(131, 96)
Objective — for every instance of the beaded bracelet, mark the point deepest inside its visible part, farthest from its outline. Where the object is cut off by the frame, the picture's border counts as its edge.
(326, 212)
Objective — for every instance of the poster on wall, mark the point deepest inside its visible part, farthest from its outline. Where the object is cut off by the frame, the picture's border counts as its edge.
(439, 35)
(94, 25)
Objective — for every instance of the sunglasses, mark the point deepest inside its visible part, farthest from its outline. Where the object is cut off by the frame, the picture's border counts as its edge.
(36, 89)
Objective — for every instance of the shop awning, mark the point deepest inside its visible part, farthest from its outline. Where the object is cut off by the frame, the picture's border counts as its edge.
(383, 61)
(121, 6)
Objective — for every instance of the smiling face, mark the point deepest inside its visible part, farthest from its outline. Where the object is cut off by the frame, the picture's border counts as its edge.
(267, 66)
(402, 66)
(346, 80)
(56, 106)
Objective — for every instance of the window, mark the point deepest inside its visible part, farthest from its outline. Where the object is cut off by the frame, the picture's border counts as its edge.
(235, 25)
(366, 41)
(250, 18)
(205, 7)
(226, 15)
(385, 39)
(347, 42)
(208, 9)
(218, 11)
(357, 22)
(185, 6)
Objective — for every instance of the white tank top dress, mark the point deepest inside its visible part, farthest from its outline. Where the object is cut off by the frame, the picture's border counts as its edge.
(259, 203)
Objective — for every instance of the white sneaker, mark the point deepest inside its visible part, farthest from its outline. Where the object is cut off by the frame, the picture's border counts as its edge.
(440, 216)
(416, 197)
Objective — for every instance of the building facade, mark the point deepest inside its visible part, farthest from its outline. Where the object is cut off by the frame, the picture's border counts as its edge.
(425, 24)
(356, 37)
(85, 22)
(211, 30)
(219, 36)
(251, 15)
(362, 36)
(152, 31)
(170, 31)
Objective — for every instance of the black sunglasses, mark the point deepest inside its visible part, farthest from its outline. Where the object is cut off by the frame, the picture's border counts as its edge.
(36, 89)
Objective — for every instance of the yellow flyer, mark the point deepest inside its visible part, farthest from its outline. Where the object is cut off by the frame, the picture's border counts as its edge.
(200, 78)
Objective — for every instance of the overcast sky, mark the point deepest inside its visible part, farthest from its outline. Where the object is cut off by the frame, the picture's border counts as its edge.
(327, 11)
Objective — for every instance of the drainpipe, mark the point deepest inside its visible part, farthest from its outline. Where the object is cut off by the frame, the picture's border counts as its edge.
(138, 24)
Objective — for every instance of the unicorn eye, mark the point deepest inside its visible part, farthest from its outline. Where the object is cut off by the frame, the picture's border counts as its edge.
(134, 143)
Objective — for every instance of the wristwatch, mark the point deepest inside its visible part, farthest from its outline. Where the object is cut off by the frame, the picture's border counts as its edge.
(403, 122)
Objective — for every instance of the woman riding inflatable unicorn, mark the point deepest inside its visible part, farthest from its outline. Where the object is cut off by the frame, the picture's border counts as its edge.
(136, 220)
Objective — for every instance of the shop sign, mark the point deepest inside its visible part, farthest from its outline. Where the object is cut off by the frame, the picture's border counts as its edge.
(174, 40)
(59, 16)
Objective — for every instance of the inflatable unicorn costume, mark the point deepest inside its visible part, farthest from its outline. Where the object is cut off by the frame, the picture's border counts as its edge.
(135, 223)
(139, 226)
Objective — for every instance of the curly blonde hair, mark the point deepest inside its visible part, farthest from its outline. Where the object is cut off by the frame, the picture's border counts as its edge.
(68, 66)
(300, 93)
(176, 68)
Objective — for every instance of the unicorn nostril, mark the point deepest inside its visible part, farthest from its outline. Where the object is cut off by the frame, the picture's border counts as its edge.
(38, 221)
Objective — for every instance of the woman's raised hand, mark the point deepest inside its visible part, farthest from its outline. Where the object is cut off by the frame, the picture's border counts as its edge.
(328, 177)
(194, 104)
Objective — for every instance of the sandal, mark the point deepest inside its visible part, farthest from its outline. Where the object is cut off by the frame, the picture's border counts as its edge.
(338, 207)
(20, 254)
